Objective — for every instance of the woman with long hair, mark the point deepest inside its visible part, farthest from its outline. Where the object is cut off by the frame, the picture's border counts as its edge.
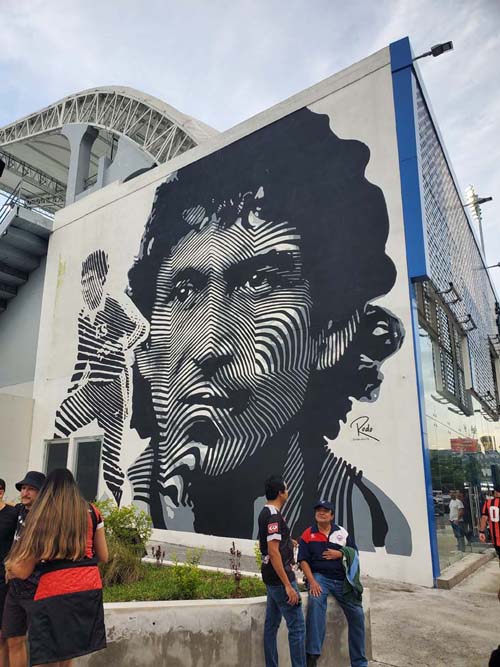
(63, 539)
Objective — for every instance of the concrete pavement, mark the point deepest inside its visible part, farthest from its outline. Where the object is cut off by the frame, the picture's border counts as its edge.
(425, 627)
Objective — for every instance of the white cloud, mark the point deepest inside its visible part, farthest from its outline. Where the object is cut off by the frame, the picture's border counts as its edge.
(225, 60)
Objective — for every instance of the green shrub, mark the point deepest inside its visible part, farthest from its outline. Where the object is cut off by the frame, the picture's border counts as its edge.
(193, 556)
(182, 582)
(124, 564)
(127, 531)
(258, 555)
(128, 524)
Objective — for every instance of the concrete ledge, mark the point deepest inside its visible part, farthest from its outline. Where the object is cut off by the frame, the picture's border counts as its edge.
(454, 574)
(207, 633)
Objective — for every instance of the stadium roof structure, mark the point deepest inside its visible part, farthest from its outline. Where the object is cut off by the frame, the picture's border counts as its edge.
(35, 150)
(69, 149)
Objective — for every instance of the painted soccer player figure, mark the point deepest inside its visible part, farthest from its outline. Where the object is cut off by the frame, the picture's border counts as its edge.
(108, 331)
(255, 272)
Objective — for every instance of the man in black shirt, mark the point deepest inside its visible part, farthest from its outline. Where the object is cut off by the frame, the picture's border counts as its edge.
(14, 621)
(8, 520)
(322, 549)
(283, 598)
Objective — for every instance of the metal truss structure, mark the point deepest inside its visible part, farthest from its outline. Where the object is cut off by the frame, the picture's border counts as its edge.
(36, 177)
(159, 130)
(37, 157)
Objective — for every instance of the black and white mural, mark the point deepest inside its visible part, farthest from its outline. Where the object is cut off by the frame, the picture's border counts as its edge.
(256, 281)
(108, 331)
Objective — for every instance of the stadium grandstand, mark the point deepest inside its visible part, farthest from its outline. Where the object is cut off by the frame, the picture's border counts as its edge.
(67, 150)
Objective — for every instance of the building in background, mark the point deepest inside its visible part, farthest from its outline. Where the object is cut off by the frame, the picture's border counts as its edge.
(303, 293)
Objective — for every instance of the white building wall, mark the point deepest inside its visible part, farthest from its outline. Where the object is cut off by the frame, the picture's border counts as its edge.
(19, 327)
(359, 104)
(16, 414)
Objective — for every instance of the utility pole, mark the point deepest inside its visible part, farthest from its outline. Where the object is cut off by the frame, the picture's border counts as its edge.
(475, 202)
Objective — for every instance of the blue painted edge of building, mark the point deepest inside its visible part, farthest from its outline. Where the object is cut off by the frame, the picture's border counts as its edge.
(404, 91)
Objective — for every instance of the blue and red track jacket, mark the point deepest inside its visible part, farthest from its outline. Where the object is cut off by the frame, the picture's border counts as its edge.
(313, 543)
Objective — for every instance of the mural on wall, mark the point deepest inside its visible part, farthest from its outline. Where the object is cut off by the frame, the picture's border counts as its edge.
(256, 277)
(108, 331)
(256, 271)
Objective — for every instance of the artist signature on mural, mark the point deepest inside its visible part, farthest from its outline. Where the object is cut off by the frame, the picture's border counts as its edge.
(363, 429)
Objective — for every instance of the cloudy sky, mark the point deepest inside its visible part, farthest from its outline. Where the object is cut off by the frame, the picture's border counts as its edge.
(222, 61)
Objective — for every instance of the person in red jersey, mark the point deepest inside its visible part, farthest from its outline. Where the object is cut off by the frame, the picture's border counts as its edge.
(63, 539)
(491, 514)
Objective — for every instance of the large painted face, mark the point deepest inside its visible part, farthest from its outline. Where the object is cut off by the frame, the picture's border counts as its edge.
(231, 346)
(92, 289)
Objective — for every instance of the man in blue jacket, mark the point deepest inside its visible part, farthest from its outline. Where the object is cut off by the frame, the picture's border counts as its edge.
(326, 551)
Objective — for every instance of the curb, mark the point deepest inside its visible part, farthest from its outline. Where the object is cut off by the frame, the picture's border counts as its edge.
(454, 574)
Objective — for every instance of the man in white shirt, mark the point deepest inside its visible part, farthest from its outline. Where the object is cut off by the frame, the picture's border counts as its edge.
(457, 520)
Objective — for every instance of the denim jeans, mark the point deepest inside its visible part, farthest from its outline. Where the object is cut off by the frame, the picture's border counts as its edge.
(316, 621)
(277, 606)
(458, 531)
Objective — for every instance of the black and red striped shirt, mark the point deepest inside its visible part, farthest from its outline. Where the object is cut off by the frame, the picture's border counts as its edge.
(491, 509)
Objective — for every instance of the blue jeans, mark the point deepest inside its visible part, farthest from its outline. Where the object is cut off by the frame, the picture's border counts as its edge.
(316, 621)
(277, 606)
(458, 531)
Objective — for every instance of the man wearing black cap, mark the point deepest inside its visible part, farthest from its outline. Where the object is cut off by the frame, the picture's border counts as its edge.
(328, 557)
(14, 621)
(29, 488)
(491, 513)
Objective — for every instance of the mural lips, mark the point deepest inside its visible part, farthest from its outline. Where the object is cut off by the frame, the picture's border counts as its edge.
(235, 401)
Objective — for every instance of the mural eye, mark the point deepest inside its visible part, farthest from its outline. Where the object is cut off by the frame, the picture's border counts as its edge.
(381, 329)
(182, 290)
(259, 281)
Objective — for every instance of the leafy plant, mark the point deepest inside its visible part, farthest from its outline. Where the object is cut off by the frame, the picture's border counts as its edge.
(182, 582)
(128, 524)
(193, 556)
(258, 555)
(124, 564)
(185, 580)
(235, 562)
(127, 531)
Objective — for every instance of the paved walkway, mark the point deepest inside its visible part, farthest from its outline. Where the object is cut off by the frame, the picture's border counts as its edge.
(416, 626)
(425, 627)
(212, 558)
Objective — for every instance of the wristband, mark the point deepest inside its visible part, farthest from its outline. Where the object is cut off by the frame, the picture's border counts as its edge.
(481, 532)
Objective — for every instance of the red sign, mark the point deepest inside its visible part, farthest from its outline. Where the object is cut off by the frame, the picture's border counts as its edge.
(469, 445)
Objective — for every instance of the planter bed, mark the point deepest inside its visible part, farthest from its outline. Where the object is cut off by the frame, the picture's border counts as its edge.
(183, 582)
(206, 633)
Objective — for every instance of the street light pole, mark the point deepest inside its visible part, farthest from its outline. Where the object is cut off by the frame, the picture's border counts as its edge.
(436, 50)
